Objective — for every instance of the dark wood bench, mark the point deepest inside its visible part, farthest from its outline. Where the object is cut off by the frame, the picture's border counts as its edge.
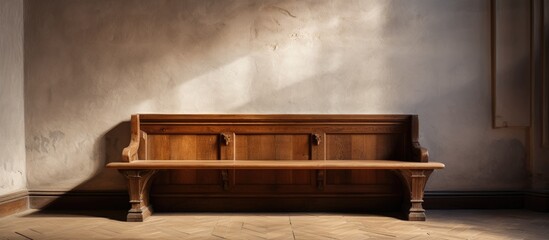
(236, 145)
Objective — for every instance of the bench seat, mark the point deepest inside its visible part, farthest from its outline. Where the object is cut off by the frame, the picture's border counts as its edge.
(275, 164)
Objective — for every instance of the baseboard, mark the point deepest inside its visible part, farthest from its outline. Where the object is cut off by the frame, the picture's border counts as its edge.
(13, 203)
(94, 200)
(537, 201)
(78, 200)
(474, 200)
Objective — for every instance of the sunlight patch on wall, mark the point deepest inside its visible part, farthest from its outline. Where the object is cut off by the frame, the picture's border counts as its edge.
(296, 60)
(217, 90)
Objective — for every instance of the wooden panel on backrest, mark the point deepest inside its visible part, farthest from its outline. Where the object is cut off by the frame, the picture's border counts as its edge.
(273, 147)
(365, 146)
(362, 147)
(159, 149)
(186, 147)
(183, 147)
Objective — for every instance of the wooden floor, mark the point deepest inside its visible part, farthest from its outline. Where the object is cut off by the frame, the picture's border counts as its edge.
(447, 224)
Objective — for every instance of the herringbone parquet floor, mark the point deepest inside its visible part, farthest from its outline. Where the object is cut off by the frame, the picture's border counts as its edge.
(447, 224)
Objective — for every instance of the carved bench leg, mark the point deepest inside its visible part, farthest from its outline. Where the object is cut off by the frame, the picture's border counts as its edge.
(139, 184)
(415, 181)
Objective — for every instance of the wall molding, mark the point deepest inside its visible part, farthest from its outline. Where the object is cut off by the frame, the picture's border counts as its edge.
(531, 200)
(537, 201)
(544, 79)
(474, 199)
(78, 200)
(94, 200)
(503, 88)
(14, 202)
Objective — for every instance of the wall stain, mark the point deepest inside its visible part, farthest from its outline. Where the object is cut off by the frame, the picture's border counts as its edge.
(45, 144)
(284, 11)
(55, 137)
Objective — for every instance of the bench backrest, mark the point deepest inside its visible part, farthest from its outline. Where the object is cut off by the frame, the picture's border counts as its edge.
(275, 137)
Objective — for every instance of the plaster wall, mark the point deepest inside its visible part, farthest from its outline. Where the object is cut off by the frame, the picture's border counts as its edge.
(90, 64)
(12, 127)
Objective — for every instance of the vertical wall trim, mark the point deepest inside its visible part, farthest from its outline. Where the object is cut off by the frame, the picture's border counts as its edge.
(498, 16)
(529, 131)
(532, 80)
(493, 59)
(544, 100)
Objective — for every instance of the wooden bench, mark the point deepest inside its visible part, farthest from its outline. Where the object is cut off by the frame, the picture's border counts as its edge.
(313, 148)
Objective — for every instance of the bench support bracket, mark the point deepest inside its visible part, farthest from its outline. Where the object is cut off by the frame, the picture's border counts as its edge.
(414, 181)
(139, 184)
(320, 176)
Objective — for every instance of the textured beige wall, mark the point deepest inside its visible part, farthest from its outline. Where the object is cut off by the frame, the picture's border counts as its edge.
(90, 64)
(12, 127)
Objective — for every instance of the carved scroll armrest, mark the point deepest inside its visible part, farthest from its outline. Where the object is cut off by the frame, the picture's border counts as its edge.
(130, 152)
(420, 154)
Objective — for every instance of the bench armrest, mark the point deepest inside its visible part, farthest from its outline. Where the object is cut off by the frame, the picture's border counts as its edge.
(129, 153)
(420, 154)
